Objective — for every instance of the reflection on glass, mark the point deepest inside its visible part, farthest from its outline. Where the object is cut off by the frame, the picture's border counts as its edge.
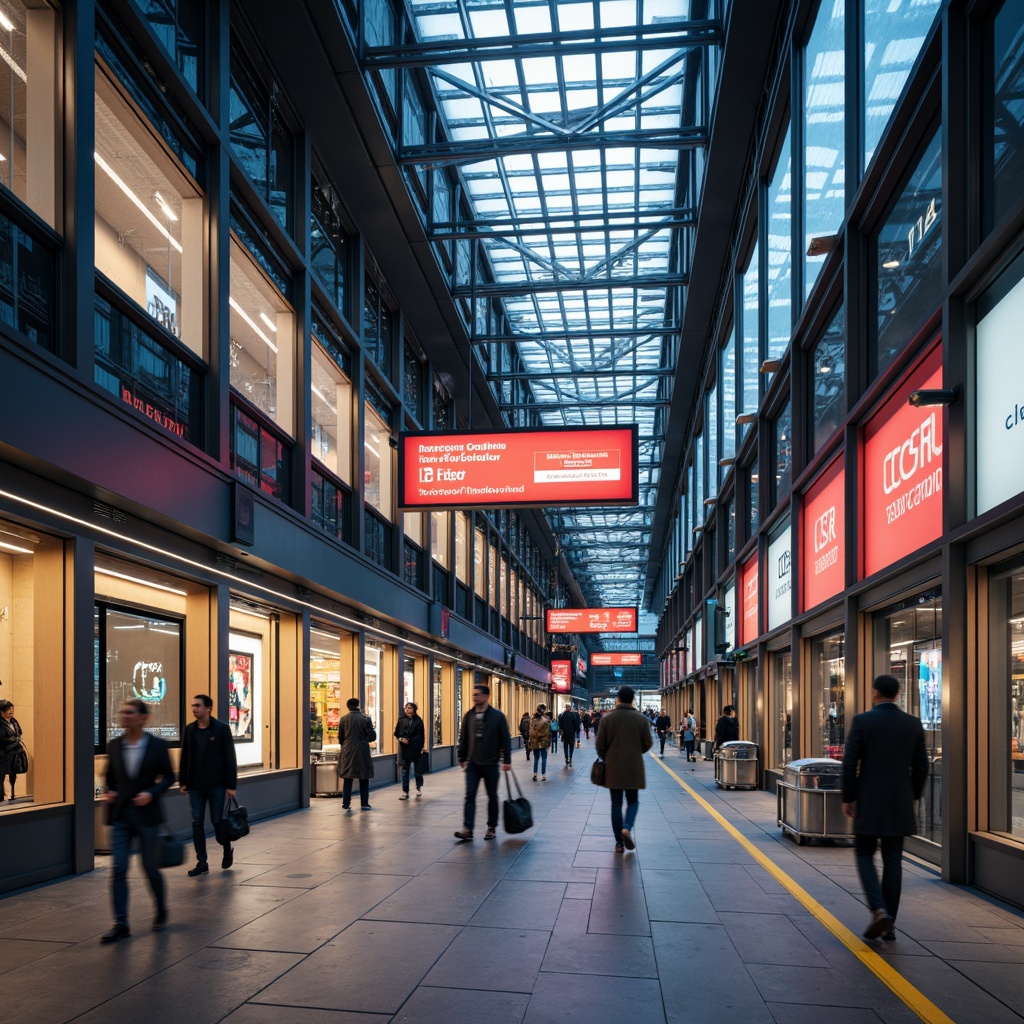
(712, 435)
(1014, 728)
(750, 362)
(373, 660)
(331, 414)
(828, 677)
(778, 285)
(437, 715)
(178, 24)
(729, 380)
(753, 499)
(377, 462)
(782, 672)
(828, 367)
(1003, 115)
(782, 428)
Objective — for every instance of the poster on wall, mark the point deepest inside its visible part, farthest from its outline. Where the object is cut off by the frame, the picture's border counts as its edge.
(780, 578)
(245, 711)
(240, 695)
(823, 537)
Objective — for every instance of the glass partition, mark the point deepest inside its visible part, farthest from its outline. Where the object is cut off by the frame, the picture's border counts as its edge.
(828, 695)
(779, 243)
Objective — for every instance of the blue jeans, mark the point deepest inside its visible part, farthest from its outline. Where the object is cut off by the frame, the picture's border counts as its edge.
(149, 837)
(632, 806)
(887, 895)
(474, 773)
(198, 799)
(541, 756)
(409, 768)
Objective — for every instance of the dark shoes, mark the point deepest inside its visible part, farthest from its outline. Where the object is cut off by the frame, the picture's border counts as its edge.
(160, 921)
(890, 935)
(200, 869)
(627, 840)
(404, 796)
(619, 847)
(464, 834)
(119, 931)
(228, 859)
(365, 807)
(880, 923)
(490, 833)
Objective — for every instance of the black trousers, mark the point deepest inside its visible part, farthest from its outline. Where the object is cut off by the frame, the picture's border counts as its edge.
(364, 792)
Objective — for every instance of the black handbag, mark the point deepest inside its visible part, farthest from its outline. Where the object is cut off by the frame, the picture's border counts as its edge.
(597, 772)
(19, 764)
(516, 813)
(423, 763)
(233, 825)
(170, 851)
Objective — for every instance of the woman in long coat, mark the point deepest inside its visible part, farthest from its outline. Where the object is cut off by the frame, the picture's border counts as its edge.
(411, 736)
(540, 740)
(356, 733)
(10, 745)
(623, 737)
(524, 731)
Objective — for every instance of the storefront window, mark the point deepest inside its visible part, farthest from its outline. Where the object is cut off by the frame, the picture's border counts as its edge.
(178, 24)
(729, 398)
(325, 686)
(29, 103)
(252, 682)
(1006, 704)
(908, 645)
(782, 673)
(462, 547)
(893, 36)
(378, 320)
(780, 254)
(439, 546)
(149, 221)
(409, 682)
(750, 358)
(377, 453)
(782, 433)
(828, 695)
(479, 577)
(908, 255)
(437, 708)
(373, 666)
(32, 661)
(828, 366)
(331, 407)
(330, 242)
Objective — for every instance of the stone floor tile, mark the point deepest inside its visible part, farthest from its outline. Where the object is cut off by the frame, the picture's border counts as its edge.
(770, 939)
(799, 1013)
(521, 904)
(511, 963)
(609, 1000)
(255, 1013)
(579, 891)
(445, 1004)
(15, 953)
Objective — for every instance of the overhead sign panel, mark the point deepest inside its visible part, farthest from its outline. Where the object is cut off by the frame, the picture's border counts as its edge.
(590, 620)
(605, 658)
(576, 466)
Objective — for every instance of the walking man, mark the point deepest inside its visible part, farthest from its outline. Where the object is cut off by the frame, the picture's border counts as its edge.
(662, 725)
(623, 737)
(139, 772)
(569, 727)
(727, 728)
(208, 774)
(355, 733)
(484, 743)
(885, 765)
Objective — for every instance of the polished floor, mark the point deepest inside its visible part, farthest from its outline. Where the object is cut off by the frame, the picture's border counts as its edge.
(376, 917)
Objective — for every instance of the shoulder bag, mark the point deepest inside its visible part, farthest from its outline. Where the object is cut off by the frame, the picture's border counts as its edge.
(233, 825)
(20, 763)
(517, 815)
(170, 851)
(597, 772)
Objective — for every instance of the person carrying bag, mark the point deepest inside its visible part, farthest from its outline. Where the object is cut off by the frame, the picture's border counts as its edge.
(516, 813)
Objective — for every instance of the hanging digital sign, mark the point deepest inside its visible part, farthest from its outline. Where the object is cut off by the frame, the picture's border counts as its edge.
(590, 620)
(616, 658)
(578, 466)
(823, 537)
(561, 676)
(902, 462)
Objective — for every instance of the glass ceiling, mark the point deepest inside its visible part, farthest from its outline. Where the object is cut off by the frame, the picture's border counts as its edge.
(576, 128)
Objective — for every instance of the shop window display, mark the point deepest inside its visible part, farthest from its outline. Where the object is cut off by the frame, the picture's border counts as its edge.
(324, 688)
(373, 665)
(828, 695)
(437, 709)
(252, 681)
(782, 673)
(378, 468)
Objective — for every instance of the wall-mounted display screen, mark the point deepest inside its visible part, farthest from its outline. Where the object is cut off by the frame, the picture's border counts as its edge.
(561, 676)
(590, 620)
(604, 658)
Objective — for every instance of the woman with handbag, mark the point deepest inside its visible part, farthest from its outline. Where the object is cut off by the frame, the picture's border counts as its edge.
(13, 757)
(411, 737)
(355, 733)
(540, 740)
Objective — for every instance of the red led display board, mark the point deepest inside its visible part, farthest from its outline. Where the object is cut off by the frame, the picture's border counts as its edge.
(590, 620)
(605, 658)
(575, 466)
(748, 581)
(561, 676)
(902, 471)
(823, 537)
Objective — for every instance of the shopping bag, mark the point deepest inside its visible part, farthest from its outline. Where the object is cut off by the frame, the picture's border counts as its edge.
(170, 851)
(597, 772)
(233, 825)
(516, 813)
(423, 763)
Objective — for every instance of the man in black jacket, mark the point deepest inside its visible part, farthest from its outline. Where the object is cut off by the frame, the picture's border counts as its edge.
(139, 772)
(569, 727)
(662, 726)
(885, 765)
(727, 728)
(484, 741)
(208, 774)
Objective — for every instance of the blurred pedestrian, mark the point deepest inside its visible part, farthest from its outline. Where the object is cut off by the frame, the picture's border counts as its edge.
(688, 734)
(484, 744)
(411, 736)
(568, 726)
(727, 728)
(524, 731)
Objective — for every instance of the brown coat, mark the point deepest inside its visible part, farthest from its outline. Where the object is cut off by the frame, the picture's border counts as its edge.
(623, 737)
(540, 732)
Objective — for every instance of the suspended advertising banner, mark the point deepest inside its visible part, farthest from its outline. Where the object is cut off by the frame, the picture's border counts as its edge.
(578, 466)
(590, 620)
(606, 658)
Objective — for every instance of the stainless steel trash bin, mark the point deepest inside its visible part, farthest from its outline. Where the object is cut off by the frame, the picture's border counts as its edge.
(323, 775)
(810, 800)
(736, 765)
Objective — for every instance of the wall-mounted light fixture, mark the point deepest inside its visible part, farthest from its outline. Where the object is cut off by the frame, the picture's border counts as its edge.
(769, 365)
(822, 244)
(938, 396)
(745, 417)
(726, 462)
(710, 502)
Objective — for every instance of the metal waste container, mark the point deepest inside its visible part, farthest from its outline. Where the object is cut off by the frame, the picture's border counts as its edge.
(810, 800)
(736, 765)
(323, 775)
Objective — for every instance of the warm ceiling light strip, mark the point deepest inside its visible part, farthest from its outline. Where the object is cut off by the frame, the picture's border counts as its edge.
(252, 323)
(113, 175)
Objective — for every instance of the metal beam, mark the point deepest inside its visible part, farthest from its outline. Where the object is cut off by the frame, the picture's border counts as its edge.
(673, 35)
(607, 403)
(480, 291)
(442, 154)
(498, 233)
(581, 335)
(542, 376)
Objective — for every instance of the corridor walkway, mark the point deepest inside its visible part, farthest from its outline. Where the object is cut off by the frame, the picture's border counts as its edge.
(378, 917)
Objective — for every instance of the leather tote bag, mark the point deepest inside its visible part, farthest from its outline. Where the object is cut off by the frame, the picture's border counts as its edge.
(516, 813)
(171, 851)
(597, 772)
(233, 825)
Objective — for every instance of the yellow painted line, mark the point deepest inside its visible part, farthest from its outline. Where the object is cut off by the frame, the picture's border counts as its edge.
(916, 1000)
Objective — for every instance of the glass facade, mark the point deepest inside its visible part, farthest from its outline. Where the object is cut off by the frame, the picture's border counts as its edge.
(1006, 703)
(782, 676)
(778, 285)
(828, 382)
(828, 695)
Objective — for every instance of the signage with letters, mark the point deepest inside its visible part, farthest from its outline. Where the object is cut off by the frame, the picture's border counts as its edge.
(780, 578)
(561, 676)
(823, 537)
(748, 585)
(902, 471)
(999, 420)
(606, 658)
(590, 620)
(730, 614)
(578, 466)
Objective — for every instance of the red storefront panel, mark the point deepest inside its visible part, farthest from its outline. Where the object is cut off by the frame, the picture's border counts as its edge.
(822, 540)
(748, 581)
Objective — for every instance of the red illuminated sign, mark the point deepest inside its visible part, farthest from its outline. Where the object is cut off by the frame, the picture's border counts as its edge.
(581, 667)
(590, 620)
(822, 537)
(558, 466)
(902, 472)
(625, 658)
(748, 601)
(561, 676)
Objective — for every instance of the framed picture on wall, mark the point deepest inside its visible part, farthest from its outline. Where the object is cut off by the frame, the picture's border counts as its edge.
(240, 696)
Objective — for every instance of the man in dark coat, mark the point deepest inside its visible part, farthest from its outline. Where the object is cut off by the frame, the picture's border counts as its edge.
(355, 733)
(139, 772)
(207, 774)
(885, 765)
(623, 737)
(569, 727)
(727, 728)
(662, 726)
(484, 742)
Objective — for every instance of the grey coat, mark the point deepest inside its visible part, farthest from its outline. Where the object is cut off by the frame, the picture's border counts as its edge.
(355, 732)
(623, 737)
